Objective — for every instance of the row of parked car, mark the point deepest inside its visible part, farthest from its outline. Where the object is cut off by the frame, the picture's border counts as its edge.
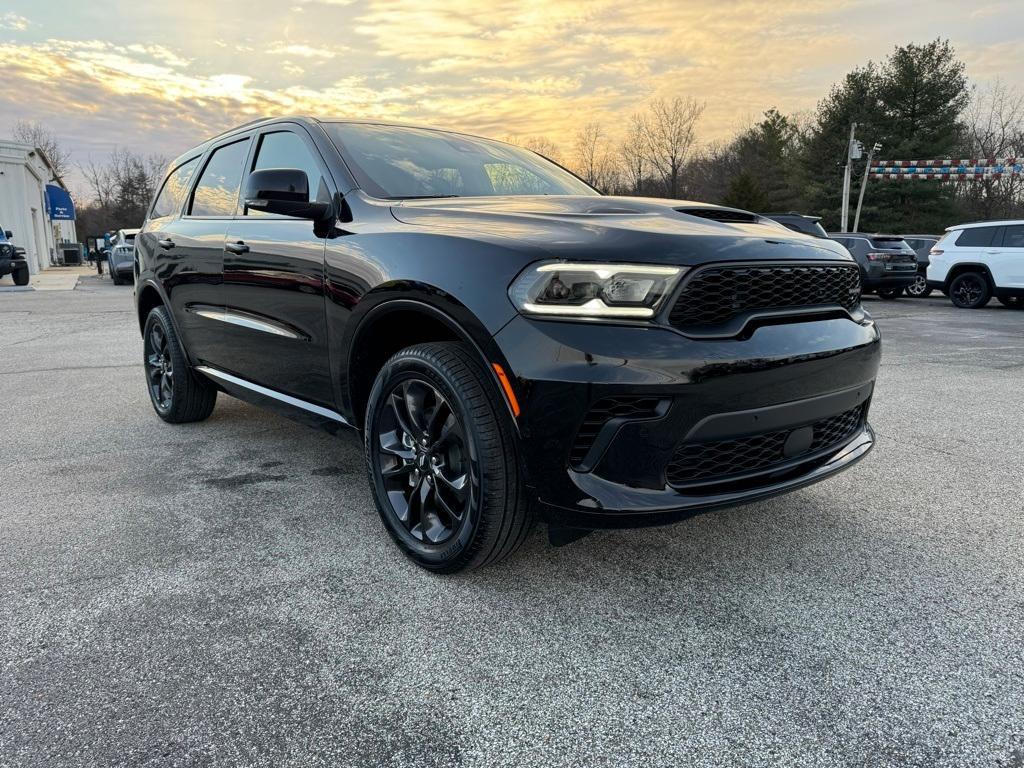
(970, 263)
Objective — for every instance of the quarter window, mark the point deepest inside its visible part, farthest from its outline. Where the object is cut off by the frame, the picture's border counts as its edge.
(216, 193)
(977, 237)
(174, 192)
(284, 149)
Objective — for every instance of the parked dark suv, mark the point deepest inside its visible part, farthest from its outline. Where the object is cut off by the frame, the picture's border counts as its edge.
(888, 265)
(12, 259)
(510, 342)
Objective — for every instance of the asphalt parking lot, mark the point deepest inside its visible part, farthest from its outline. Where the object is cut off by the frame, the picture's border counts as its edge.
(224, 594)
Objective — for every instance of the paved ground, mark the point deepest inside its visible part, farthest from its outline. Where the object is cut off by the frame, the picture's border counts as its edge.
(223, 594)
(52, 279)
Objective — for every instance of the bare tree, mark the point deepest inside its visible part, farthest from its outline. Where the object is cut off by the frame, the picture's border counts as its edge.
(542, 145)
(669, 135)
(36, 135)
(121, 189)
(593, 160)
(634, 154)
(994, 122)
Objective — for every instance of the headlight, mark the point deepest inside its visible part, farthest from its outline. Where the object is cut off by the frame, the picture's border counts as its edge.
(593, 290)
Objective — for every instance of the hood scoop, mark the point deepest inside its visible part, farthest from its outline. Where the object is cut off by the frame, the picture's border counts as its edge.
(723, 215)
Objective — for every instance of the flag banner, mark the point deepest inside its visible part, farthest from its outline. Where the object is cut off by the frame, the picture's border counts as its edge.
(946, 170)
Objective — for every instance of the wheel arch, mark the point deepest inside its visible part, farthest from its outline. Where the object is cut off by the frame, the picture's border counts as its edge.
(393, 323)
(148, 296)
(963, 267)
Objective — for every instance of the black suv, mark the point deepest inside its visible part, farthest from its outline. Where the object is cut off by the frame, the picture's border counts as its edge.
(509, 342)
(12, 259)
(888, 265)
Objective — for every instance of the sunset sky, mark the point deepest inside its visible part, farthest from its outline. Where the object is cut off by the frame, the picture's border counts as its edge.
(159, 77)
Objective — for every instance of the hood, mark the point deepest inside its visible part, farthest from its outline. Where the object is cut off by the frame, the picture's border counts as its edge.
(610, 228)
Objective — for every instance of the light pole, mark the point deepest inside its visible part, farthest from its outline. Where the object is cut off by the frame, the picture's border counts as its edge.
(863, 183)
(851, 148)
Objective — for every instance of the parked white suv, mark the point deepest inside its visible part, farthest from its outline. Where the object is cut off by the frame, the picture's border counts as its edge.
(971, 263)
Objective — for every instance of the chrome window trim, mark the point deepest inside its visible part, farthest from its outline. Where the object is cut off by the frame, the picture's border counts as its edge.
(327, 413)
(245, 320)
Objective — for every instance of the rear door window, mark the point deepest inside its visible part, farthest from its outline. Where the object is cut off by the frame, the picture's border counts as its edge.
(216, 194)
(975, 237)
(175, 190)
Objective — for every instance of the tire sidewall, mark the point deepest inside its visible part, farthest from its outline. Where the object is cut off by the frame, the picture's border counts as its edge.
(402, 367)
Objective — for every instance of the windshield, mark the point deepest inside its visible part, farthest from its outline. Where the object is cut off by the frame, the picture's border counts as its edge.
(395, 162)
(3, 237)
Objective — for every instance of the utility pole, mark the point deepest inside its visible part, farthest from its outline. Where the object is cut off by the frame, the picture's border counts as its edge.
(863, 184)
(845, 215)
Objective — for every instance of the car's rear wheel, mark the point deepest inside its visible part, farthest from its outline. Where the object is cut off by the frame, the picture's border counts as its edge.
(441, 456)
(919, 288)
(178, 395)
(21, 276)
(1013, 302)
(889, 293)
(970, 291)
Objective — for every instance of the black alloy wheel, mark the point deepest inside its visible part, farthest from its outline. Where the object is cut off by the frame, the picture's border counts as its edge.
(441, 457)
(178, 395)
(426, 463)
(919, 288)
(970, 291)
(159, 368)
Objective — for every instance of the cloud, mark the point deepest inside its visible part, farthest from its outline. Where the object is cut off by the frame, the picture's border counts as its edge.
(492, 67)
(11, 20)
(304, 51)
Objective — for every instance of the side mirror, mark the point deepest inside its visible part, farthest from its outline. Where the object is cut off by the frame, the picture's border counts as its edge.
(8, 234)
(284, 191)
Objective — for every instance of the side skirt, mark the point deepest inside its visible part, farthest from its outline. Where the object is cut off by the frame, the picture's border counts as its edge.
(291, 407)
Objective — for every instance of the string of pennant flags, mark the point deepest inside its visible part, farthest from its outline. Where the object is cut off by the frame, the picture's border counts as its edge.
(947, 170)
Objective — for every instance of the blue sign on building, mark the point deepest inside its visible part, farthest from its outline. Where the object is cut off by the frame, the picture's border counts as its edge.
(59, 206)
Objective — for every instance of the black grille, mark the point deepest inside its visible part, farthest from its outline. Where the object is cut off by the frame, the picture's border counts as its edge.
(724, 459)
(715, 295)
(630, 407)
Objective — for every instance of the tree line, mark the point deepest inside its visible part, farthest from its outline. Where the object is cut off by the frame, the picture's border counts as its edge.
(917, 103)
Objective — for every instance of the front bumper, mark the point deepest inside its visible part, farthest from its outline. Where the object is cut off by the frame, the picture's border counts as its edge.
(779, 379)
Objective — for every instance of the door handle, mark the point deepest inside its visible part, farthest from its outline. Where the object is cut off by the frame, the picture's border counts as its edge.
(166, 244)
(238, 247)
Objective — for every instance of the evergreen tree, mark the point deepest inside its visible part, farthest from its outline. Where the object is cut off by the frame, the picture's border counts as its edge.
(911, 104)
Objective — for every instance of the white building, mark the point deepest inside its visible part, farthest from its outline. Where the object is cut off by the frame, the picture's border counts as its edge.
(25, 173)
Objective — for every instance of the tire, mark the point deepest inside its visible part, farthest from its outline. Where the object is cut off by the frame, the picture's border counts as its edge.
(970, 291)
(1013, 302)
(178, 395)
(21, 276)
(458, 502)
(114, 278)
(919, 288)
(889, 293)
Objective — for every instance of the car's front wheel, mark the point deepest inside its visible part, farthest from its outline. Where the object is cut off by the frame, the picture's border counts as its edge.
(889, 293)
(21, 276)
(970, 291)
(919, 288)
(441, 455)
(178, 395)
